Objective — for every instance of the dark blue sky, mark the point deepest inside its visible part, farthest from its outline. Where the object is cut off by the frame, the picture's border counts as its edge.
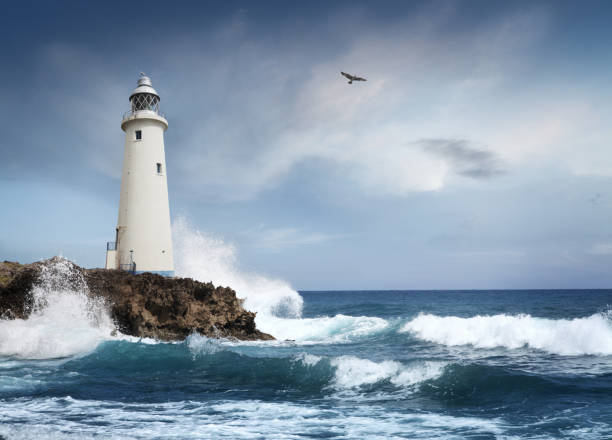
(477, 155)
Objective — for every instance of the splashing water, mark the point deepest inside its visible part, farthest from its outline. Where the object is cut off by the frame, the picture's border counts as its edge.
(64, 321)
(207, 258)
(336, 329)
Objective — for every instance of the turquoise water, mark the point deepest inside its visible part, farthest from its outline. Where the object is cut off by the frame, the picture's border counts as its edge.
(406, 364)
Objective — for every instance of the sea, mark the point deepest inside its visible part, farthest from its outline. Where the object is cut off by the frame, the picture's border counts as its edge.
(457, 364)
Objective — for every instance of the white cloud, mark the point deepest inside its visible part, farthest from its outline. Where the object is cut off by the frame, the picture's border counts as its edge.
(276, 239)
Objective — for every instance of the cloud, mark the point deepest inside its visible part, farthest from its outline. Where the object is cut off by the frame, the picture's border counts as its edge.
(76, 129)
(247, 133)
(601, 249)
(276, 239)
(464, 159)
(246, 111)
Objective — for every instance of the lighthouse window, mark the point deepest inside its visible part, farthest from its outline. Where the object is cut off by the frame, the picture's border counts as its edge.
(159, 168)
(138, 135)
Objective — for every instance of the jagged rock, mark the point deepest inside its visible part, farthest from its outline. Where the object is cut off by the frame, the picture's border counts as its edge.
(145, 305)
(16, 282)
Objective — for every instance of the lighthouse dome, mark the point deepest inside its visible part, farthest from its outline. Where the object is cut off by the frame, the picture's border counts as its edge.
(144, 86)
(144, 97)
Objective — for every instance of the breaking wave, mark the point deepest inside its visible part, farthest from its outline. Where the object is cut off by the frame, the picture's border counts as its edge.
(64, 320)
(591, 335)
(353, 372)
(328, 330)
(207, 258)
(336, 372)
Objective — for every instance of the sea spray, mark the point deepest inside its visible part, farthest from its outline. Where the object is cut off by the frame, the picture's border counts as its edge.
(201, 345)
(64, 320)
(591, 335)
(204, 257)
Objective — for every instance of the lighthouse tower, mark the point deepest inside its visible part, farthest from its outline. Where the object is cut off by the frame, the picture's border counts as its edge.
(143, 241)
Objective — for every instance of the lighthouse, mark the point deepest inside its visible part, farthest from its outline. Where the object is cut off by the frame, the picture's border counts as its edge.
(143, 239)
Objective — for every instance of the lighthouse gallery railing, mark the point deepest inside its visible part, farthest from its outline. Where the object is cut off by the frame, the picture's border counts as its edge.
(131, 112)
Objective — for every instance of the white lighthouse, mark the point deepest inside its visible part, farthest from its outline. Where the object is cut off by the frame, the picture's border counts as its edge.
(143, 240)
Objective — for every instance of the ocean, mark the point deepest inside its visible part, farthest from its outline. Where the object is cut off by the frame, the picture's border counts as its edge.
(528, 364)
(360, 365)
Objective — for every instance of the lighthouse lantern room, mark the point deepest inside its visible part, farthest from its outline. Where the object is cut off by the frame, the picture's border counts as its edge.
(143, 239)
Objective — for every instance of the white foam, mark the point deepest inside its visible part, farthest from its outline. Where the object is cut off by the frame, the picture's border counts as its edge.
(67, 418)
(204, 257)
(418, 372)
(354, 372)
(580, 336)
(307, 359)
(327, 330)
(64, 320)
(8, 383)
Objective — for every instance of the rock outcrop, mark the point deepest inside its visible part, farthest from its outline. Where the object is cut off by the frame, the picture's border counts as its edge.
(144, 305)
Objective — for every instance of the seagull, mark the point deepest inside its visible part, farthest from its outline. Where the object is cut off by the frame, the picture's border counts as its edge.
(352, 78)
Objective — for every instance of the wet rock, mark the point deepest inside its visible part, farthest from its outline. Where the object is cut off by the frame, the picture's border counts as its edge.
(144, 305)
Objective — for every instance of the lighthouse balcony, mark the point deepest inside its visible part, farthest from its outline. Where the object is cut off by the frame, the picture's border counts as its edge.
(132, 115)
(145, 112)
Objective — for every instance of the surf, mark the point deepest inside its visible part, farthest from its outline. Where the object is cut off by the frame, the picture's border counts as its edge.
(591, 335)
(64, 320)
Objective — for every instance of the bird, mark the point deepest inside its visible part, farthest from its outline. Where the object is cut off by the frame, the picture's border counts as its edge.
(352, 78)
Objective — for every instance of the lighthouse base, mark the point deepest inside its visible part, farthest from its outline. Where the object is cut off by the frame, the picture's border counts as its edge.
(111, 258)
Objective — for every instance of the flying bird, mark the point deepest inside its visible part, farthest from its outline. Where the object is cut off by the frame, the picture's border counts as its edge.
(352, 78)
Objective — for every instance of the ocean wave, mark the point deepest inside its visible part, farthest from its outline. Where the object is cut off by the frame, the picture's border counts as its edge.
(220, 361)
(220, 370)
(350, 372)
(495, 386)
(64, 321)
(354, 372)
(61, 418)
(579, 336)
(323, 330)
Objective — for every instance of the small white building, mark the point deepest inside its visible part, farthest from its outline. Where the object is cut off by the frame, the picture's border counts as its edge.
(143, 239)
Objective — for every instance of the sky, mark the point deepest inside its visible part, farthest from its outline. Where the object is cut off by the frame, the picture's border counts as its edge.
(476, 156)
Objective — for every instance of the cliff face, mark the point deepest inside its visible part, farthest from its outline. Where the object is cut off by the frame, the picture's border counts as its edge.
(145, 305)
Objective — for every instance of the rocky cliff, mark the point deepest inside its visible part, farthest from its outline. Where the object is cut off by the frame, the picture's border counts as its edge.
(145, 305)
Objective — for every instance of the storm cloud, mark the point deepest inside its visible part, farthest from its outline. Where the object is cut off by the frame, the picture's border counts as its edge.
(465, 159)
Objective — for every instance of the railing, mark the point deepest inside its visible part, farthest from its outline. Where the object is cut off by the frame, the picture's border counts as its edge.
(131, 112)
(130, 267)
(111, 245)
